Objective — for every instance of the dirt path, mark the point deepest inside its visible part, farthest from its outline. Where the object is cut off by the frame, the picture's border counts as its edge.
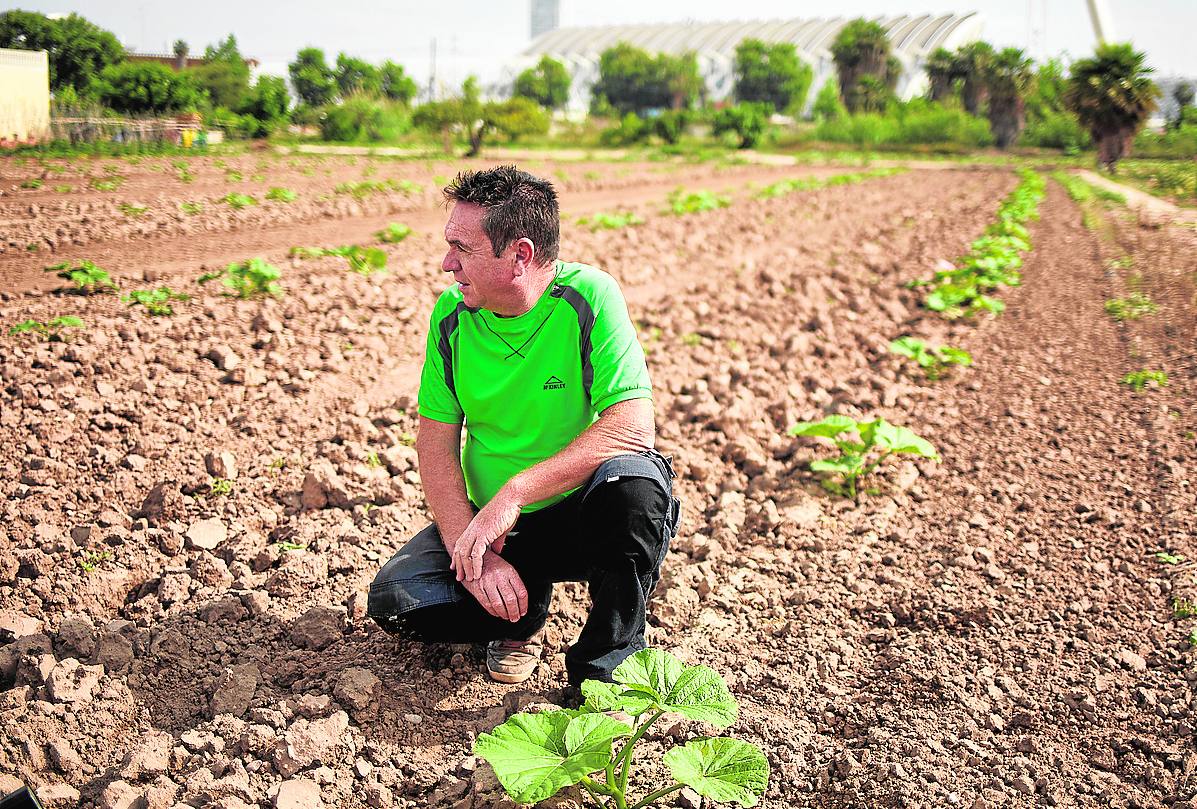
(1153, 208)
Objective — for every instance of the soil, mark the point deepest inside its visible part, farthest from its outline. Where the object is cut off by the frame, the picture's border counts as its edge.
(1002, 628)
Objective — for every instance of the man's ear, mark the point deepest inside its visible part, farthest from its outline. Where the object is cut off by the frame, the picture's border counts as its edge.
(525, 256)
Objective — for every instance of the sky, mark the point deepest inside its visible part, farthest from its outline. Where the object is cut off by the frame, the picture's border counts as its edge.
(480, 36)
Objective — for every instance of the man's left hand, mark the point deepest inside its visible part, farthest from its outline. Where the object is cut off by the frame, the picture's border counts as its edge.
(488, 529)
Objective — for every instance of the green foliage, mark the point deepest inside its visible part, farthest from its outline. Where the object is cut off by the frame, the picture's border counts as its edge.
(630, 129)
(362, 260)
(32, 183)
(93, 559)
(224, 74)
(54, 330)
(783, 187)
(828, 106)
(632, 80)
(191, 208)
(934, 360)
(1144, 378)
(1008, 81)
(106, 183)
(234, 124)
(683, 202)
(771, 74)
(393, 233)
(395, 83)
(994, 259)
(364, 188)
(355, 75)
(915, 122)
(278, 194)
(1056, 130)
(515, 118)
(747, 120)
(131, 210)
(1169, 558)
(1111, 95)
(147, 87)
(362, 119)
(534, 756)
(867, 71)
(468, 115)
(610, 221)
(219, 487)
(77, 49)
(314, 81)
(238, 201)
(547, 83)
(878, 440)
(86, 276)
(1183, 608)
(372, 460)
(268, 102)
(248, 279)
(1165, 177)
(1132, 307)
(156, 301)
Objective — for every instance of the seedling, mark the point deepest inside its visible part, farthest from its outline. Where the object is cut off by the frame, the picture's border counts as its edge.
(610, 221)
(248, 279)
(133, 211)
(692, 339)
(878, 440)
(232, 176)
(393, 233)
(783, 187)
(1183, 608)
(1142, 379)
(407, 440)
(1132, 307)
(535, 756)
(93, 559)
(278, 464)
(365, 188)
(32, 183)
(64, 189)
(1169, 558)
(54, 331)
(281, 194)
(372, 460)
(86, 277)
(286, 547)
(238, 201)
(220, 486)
(362, 260)
(933, 360)
(106, 184)
(307, 252)
(191, 208)
(156, 301)
(683, 202)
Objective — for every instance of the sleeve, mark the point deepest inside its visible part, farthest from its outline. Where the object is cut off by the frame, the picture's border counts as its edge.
(437, 400)
(616, 358)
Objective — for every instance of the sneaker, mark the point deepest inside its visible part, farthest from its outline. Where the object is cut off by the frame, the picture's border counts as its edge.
(513, 661)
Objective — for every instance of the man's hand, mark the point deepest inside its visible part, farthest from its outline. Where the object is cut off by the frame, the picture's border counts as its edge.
(487, 531)
(499, 589)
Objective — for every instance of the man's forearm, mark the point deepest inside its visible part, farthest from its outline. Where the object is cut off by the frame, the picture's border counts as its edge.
(444, 489)
(622, 428)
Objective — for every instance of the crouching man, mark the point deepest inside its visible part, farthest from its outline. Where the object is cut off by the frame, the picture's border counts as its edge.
(558, 479)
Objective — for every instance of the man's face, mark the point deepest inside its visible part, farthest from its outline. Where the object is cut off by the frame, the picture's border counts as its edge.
(485, 281)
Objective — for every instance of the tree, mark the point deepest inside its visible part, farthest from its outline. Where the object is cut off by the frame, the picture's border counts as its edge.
(747, 120)
(632, 80)
(974, 61)
(771, 74)
(469, 115)
(180, 49)
(77, 49)
(828, 105)
(547, 83)
(942, 73)
(357, 76)
(224, 74)
(1009, 81)
(147, 87)
(1182, 94)
(866, 69)
(268, 102)
(1112, 95)
(396, 84)
(314, 81)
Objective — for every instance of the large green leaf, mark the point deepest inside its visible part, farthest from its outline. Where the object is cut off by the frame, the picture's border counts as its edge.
(536, 755)
(602, 696)
(829, 427)
(721, 769)
(843, 465)
(696, 692)
(893, 438)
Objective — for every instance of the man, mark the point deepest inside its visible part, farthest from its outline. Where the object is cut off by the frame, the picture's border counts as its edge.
(558, 479)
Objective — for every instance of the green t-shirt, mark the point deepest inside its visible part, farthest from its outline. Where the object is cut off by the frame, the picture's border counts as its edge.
(526, 386)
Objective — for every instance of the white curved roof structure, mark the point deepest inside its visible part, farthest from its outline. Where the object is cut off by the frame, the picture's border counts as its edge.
(714, 43)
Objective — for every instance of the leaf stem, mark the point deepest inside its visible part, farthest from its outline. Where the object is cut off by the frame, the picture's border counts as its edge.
(652, 796)
(594, 796)
(625, 755)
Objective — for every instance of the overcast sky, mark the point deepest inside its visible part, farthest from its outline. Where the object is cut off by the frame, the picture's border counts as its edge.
(477, 36)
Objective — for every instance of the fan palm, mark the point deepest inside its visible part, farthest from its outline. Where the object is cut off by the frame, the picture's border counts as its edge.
(1111, 95)
(973, 63)
(1010, 78)
(862, 50)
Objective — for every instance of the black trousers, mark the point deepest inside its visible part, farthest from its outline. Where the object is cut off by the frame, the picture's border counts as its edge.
(611, 533)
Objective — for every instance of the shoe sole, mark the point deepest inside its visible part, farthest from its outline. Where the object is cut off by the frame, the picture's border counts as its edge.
(510, 679)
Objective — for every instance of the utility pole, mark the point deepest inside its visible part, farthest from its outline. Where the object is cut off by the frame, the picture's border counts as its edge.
(432, 74)
(1099, 15)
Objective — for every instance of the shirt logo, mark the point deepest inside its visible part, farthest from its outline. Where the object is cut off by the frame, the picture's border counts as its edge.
(553, 383)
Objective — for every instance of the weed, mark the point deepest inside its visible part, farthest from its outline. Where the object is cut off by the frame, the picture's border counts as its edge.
(156, 301)
(86, 277)
(93, 559)
(133, 211)
(219, 487)
(1144, 378)
(54, 330)
(682, 202)
(393, 233)
(278, 194)
(257, 178)
(610, 221)
(1132, 307)
(854, 462)
(372, 460)
(238, 201)
(285, 547)
(191, 208)
(233, 176)
(109, 184)
(534, 756)
(691, 339)
(933, 360)
(248, 279)
(64, 189)
(362, 260)
(407, 440)
(1183, 608)
(33, 183)
(279, 464)
(1169, 558)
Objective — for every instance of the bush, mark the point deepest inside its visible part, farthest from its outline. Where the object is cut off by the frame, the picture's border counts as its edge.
(1056, 130)
(361, 119)
(630, 129)
(145, 87)
(234, 124)
(747, 121)
(1176, 143)
(919, 122)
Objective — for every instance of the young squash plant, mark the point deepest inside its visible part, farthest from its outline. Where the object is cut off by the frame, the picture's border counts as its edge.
(156, 301)
(934, 360)
(878, 440)
(248, 279)
(86, 276)
(535, 756)
(54, 330)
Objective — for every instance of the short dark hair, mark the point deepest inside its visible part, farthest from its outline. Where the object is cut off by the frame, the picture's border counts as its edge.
(518, 205)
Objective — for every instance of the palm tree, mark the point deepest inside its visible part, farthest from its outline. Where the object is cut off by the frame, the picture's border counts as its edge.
(1111, 95)
(941, 73)
(1010, 78)
(180, 49)
(861, 49)
(973, 63)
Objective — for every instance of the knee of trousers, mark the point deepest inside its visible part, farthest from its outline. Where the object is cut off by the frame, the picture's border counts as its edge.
(628, 519)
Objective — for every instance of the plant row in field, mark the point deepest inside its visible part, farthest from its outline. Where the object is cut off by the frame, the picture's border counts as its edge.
(783, 187)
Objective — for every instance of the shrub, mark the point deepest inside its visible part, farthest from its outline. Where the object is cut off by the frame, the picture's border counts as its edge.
(361, 119)
(1056, 130)
(747, 120)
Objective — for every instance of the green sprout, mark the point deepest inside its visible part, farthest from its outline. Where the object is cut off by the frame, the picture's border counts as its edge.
(1168, 558)
(1183, 608)
(92, 559)
(534, 756)
(286, 547)
(856, 459)
(133, 211)
(683, 202)
(32, 183)
(393, 233)
(248, 279)
(610, 221)
(1141, 379)
(156, 301)
(281, 194)
(933, 360)
(86, 277)
(1132, 307)
(220, 486)
(109, 184)
(372, 460)
(238, 201)
(53, 331)
(191, 208)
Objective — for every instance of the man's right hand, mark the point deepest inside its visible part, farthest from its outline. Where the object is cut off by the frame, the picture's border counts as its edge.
(499, 589)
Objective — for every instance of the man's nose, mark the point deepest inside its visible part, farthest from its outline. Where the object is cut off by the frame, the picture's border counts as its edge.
(448, 264)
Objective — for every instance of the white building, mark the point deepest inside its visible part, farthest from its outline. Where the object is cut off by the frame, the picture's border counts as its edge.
(714, 43)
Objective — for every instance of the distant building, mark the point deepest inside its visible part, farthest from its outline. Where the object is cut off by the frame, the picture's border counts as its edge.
(714, 43)
(24, 96)
(176, 62)
(545, 16)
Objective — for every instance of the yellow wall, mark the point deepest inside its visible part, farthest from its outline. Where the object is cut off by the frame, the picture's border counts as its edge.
(24, 94)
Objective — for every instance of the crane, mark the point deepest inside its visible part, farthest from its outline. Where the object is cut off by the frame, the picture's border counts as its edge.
(1099, 15)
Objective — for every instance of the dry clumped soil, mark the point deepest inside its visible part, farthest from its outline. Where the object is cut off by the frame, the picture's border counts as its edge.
(993, 630)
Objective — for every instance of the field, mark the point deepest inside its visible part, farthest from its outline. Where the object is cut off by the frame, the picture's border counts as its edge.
(195, 503)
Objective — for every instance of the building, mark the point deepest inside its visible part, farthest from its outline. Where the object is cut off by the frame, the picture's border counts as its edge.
(181, 62)
(714, 43)
(24, 96)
